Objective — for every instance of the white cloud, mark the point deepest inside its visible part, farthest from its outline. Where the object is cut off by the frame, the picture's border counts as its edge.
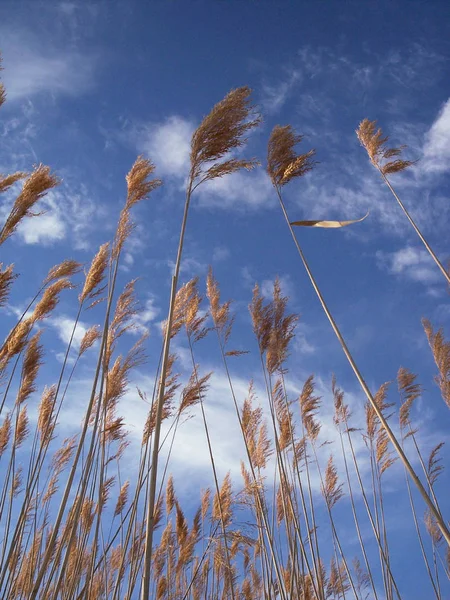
(33, 67)
(67, 213)
(436, 151)
(275, 96)
(285, 284)
(411, 262)
(239, 191)
(220, 253)
(64, 327)
(168, 145)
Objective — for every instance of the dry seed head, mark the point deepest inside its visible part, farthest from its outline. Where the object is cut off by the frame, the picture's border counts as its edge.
(283, 163)
(67, 268)
(332, 491)
(6, 181)
(219, 133)
(170, 495)
(262, 318)
(5, 433)
(96, 273)
(122, 498)
(432, 528)
(30, 368)
(373, 141)
(89, 339)
(194, 391)
(281, 331)
(22, 427)
(6, 279)
(35, 187)
(50, 299)
(409, 391)
(222, 504)
(341, 410)
(309, 405)
(138, 185)
(15, 342)
(441, 353)
(435, 468)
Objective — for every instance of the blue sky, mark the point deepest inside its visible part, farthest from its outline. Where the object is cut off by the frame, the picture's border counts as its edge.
(91, 85)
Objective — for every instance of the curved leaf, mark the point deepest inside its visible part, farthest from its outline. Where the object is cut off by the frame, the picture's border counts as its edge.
(327, 224)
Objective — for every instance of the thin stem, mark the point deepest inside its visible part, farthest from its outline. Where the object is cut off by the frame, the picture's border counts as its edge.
(439, 520)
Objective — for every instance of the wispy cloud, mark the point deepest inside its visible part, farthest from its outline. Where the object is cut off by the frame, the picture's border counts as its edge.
(274, 96)
(33, 67)
(67, 214)
(410, 262)
(436, 150)
(168, 145)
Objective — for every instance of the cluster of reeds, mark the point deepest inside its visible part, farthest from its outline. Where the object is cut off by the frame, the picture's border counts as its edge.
(74, 527)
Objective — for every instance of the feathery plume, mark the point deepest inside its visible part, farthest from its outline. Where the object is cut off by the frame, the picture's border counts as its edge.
(409, 391)
(89, 338)
(95, 274)
(30, 368)
(67, 268)
(219, 133)
(5, 434)
(374, 143)
(122, 498)
(50, 299)
(35, 187)
(332, 491)
(283, 163)
(6, 279)
(441, 353)
(45, 413)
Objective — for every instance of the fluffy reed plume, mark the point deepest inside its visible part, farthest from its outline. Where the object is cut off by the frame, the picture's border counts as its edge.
(96, 274)
(281, 332)
(283, 163)
(139, 187)
(221, 132)
(89, 338)
(374, 142)
(7, 277)
(409, 391)
(309, 406)
(332, 491)
(50, 299)
(22, 428)
(5, 434)
(338, 583)
(194, 391)
(434, 467)
(15, 342)
(30, 368)
(35, 187)
(67, 268)
(441, 353)
(45, 413)
(6, 181)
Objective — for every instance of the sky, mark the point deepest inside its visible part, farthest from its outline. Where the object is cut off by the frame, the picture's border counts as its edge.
(92, 85)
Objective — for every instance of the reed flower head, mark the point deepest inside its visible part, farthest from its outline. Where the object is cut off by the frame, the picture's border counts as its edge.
(219, 133)
(283, 162)
(35, 187)
(374, 142)
(96, 273)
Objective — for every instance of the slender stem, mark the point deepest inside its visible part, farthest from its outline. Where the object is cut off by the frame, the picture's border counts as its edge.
(416, 229)
(159, 409)
(439, 520)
